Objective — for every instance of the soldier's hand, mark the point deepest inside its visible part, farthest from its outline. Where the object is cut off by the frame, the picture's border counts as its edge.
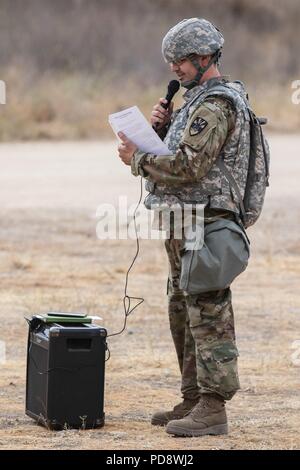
(161, 116)
(126, 149)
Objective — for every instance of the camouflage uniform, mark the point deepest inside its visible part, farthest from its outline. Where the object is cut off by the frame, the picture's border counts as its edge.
(211, 125)
(202, 328)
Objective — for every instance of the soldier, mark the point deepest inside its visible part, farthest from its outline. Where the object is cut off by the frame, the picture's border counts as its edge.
(211, 125)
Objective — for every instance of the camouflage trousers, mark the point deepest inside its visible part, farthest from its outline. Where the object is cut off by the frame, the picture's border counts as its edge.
(202, 328)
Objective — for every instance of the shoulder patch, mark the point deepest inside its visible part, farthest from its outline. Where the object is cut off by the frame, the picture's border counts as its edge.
(197, 125)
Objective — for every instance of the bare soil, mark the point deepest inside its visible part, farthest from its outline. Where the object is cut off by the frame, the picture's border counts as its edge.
(50, 258)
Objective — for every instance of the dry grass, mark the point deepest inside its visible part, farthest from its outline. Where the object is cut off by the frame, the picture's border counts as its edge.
(68, 64)
(62, 106)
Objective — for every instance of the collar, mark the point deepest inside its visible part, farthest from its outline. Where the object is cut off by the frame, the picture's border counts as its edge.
(190, 94)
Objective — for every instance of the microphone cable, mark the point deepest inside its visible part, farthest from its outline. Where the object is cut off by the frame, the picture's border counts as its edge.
(127, 298)
(173, 87)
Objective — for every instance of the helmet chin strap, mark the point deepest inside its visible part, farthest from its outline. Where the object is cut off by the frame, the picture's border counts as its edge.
(189, 84)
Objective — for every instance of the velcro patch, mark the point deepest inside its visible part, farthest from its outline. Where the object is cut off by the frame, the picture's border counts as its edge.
(197, 125)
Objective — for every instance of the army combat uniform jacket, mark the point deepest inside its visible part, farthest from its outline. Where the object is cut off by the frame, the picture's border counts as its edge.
(212, 124)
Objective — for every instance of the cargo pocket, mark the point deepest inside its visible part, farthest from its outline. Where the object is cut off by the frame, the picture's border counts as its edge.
(225, 356)
(218, 369)
(225, 352)
(194, 314)
(223, 256)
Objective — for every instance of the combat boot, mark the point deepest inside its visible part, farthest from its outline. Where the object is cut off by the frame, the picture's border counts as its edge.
(207, 417)
(161, 418)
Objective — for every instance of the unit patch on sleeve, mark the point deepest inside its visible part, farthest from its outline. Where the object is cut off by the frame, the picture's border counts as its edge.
(197, 125)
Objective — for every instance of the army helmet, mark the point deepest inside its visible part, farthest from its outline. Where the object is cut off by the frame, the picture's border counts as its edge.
(191, 36)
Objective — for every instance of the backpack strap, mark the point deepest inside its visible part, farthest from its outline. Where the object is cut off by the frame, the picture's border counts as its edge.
(221, 165)
(254, 120)
(261, 122)
(220, 90)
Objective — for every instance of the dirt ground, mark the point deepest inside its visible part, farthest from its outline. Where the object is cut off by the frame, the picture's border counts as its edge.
(50, 259)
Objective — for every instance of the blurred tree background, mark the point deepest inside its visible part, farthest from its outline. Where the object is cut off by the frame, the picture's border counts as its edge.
(67, 64)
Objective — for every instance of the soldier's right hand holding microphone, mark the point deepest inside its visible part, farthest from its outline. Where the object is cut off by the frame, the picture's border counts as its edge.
(161, 116)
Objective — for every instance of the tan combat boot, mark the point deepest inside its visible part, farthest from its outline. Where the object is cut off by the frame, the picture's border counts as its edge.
(161, 418)
(207, 417)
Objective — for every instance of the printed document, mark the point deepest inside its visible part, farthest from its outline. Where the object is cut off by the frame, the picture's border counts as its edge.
(135, 126)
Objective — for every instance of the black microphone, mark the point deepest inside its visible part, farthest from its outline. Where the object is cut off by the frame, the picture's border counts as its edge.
(173, 87)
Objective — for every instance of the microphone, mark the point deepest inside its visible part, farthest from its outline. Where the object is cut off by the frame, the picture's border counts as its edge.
(173, 87)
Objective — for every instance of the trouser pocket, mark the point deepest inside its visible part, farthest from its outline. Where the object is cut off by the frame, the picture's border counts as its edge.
(217, 369)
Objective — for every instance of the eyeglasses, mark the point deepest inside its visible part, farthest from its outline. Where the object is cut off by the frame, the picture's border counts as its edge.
(179, 62)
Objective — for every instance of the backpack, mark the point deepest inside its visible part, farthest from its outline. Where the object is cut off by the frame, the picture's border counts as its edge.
(258, 173)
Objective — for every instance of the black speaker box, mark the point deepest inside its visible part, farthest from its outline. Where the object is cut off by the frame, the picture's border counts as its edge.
(65, 375)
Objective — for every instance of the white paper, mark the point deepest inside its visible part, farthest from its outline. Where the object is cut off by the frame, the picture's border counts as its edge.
(135, 126)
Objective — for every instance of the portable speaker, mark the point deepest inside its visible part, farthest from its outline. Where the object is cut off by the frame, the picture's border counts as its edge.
(65, 374)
